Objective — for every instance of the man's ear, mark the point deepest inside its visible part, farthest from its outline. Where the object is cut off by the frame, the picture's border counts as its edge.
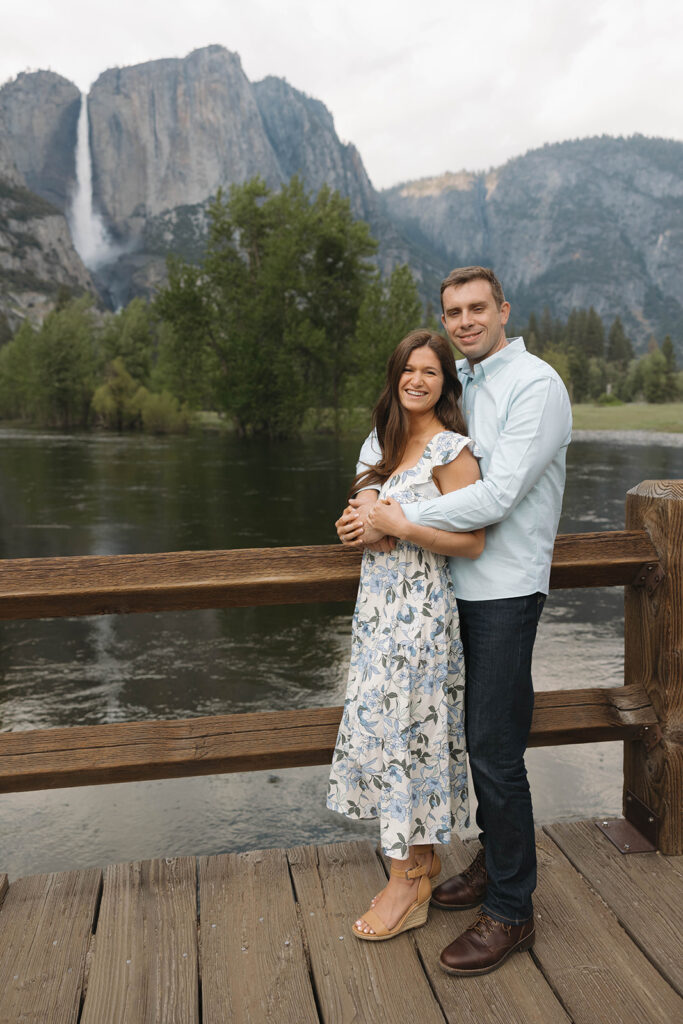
(504, 312)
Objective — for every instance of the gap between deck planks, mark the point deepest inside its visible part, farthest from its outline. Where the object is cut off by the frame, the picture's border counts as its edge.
(645, 891)
(276, 944)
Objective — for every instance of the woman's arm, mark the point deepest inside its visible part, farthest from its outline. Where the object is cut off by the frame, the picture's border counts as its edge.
(388, 516)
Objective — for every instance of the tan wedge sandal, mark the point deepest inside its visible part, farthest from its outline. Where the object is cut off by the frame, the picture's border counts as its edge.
(415, 915)
(432, 875)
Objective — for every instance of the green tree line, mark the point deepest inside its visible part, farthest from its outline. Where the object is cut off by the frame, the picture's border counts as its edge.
(285, 322)
(599, 364)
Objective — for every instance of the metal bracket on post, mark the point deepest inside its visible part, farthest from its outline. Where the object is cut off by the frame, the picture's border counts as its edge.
(649, 576)
(637, 832)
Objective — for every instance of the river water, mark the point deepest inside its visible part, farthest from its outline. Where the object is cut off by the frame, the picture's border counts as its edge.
(108, 494)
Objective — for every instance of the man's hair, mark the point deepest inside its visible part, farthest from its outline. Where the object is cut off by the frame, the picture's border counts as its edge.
(462, 275)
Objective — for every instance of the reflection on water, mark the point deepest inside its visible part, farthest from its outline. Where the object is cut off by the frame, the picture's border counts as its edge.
(104, 494)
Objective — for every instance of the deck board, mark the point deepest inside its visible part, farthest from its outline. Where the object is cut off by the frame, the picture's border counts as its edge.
(644, 890)
(45, 927)
(378, 982)
(144, 968)
(518, 993)
(273, 942)
(254, 967)
(594, 967)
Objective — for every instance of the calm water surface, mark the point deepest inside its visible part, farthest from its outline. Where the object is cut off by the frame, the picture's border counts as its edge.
(103, 494)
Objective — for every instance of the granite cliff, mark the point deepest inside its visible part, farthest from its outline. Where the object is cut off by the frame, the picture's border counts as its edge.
(591, 222)
(594, 222)
(37, 256)
(166, 135)
(38, 117)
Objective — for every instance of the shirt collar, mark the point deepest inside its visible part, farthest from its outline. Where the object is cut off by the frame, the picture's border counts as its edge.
(488, 368)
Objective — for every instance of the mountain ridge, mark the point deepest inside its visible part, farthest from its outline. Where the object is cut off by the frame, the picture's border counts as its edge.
(595, 221)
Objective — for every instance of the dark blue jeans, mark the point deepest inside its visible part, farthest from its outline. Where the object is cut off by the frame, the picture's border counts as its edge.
(498, 639)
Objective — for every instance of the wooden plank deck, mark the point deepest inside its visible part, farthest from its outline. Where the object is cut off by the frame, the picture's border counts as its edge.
(265, 936)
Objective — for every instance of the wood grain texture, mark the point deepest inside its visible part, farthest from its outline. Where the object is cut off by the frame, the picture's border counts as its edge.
(4, 886)
(517, 993)
(98, 585)
(144, 968)
(172, 581)
(645, 891)
(130, 751)
(609, 559)
(373, 982)
(653, 656)
(94, 755)
(593, 966)
(45, 929)
(590, 715)
(254, 967)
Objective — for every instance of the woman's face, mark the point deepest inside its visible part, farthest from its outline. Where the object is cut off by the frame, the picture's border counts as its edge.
(421, 382)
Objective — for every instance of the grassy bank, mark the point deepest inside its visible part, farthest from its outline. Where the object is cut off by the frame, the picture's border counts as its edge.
(667, 418)
(354, 423)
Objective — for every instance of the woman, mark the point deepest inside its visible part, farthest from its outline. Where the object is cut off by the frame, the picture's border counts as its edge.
(400, 752)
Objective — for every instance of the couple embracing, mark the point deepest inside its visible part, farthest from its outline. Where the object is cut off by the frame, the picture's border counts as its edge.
(456, 504)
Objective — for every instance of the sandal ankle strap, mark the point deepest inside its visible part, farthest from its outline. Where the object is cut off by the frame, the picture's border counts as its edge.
(416, 872)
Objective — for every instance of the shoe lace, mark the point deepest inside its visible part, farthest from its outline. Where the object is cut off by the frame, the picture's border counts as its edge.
(477, 867)
(485, 924)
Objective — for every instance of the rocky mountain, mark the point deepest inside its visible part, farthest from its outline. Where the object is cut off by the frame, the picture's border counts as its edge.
(166, 135)
(594, 222)
(591, 222)
(38, 118)
(37, 255)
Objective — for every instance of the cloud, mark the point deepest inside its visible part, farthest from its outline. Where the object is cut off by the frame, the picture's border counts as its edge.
(418, 88)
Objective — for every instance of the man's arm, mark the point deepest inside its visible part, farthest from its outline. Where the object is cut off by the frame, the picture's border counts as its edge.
(538, 425)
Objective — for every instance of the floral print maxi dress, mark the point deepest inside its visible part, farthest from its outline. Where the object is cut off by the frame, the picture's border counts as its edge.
(400, 751)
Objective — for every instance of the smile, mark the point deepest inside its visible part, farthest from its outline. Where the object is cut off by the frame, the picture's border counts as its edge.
(415, 394)
(469, 337)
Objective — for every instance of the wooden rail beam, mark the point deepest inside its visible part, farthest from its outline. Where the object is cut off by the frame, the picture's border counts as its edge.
(34, 588)
(132, 751)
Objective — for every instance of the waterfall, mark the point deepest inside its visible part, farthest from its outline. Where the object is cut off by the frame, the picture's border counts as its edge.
(89, 234)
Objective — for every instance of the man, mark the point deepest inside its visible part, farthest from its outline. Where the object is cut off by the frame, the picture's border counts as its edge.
(518, 412)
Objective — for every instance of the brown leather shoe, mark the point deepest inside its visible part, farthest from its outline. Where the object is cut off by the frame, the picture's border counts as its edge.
(485, 945)
(461, 892)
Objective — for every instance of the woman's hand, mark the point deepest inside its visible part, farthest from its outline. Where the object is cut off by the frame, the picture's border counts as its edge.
(388, 517)
(350, 527)
(353, 528)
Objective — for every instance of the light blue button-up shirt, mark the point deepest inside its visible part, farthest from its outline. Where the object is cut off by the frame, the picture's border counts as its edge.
(518, 412)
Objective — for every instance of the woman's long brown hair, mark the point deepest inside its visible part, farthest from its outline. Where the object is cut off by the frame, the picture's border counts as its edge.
(389, 418)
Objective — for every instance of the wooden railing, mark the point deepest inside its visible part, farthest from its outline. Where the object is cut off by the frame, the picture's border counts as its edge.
(646, 713)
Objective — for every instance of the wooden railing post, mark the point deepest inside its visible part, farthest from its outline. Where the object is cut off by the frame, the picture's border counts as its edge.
(653, 650)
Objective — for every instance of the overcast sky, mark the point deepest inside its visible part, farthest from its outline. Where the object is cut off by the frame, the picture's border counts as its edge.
(419, 87)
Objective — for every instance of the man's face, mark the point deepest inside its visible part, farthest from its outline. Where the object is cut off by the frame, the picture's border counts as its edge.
(473, 321)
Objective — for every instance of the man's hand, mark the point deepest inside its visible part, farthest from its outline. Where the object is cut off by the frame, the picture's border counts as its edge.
(388, 516)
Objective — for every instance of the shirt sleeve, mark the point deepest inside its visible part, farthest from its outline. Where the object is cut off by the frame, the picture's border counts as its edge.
(537, 427)
(370, 454)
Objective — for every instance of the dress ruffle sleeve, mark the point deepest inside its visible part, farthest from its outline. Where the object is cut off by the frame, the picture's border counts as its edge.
(447, 445)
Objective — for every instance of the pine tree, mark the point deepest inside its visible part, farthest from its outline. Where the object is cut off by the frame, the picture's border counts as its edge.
(671, 370)
(619, 347)
(594, 335)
